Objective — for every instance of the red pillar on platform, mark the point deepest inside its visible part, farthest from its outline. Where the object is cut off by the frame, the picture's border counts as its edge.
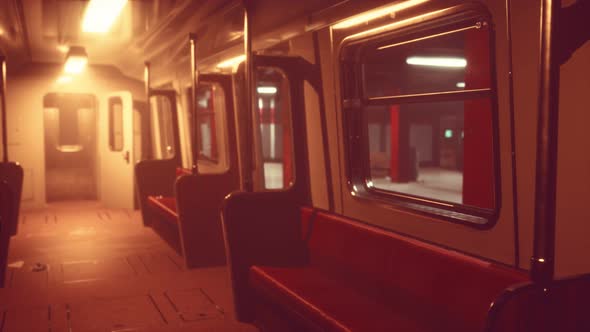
(478, 162)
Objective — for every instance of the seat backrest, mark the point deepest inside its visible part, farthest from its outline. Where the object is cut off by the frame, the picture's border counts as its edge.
(6, 210)
(458, 286)
(560, 306)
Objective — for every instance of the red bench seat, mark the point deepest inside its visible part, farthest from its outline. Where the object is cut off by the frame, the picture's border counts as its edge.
(165, 207)
(330, 302)
(361, 278)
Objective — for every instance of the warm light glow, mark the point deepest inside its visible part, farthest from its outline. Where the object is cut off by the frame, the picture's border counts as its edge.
(376, 13)
(461, 85)
(232, 62)
(101, 14)
(437, 61)
(62, 48)
(64, 79)
(267, 90)
(75, 64)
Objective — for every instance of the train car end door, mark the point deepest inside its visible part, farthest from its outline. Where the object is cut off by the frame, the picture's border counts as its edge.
(116, 150)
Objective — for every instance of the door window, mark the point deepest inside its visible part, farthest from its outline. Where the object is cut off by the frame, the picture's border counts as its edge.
(116, 124)
(162, 125)
(274, 147)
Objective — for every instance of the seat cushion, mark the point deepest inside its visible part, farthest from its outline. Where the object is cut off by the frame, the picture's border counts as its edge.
(165, 207)
(428, 273)
(334, 304)
(180, 171)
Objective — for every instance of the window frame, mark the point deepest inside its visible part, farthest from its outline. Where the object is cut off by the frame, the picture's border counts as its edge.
(355, 138)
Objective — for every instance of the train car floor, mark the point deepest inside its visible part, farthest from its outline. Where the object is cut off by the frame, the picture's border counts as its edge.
(79, 267)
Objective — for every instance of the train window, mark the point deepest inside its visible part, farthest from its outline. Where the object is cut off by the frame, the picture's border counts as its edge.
(424, 118)
(67, 119)
(162, 124)
(210, 115)
(116, 124)
(275, 139)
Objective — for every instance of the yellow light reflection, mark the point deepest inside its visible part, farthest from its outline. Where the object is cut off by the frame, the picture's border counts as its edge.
(101, 14)
(64, 79)
(377, 13)
(232, 62)
(62, 48)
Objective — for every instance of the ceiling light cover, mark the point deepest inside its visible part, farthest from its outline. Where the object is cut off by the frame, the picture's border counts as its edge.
(101, 14)
(76, 60)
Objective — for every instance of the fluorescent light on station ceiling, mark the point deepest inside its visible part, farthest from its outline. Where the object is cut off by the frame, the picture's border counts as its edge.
(101, 14)
(232, 62)
(377, 13)
(266, 90)
(437, 61)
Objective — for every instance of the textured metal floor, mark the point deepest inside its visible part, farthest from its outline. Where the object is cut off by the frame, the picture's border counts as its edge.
(79, 267)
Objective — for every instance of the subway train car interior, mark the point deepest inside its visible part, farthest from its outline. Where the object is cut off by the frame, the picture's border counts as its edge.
(287, 166)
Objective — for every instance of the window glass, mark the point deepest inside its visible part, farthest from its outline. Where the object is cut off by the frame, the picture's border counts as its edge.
(210, 106)
(427, 117)
(273, 118)
(211, 112)
(162, 124)
(116, 124)
(446, 62)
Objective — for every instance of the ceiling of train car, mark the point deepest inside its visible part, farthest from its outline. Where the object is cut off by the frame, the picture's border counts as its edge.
(154, 30)
(43, 30)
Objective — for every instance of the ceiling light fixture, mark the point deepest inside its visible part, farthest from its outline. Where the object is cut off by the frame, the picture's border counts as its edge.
(101, 14)
(377, 13)
(76, 60)
(437, 61)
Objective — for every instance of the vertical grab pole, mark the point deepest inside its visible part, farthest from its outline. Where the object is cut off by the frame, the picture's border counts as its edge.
(248, 160)
(194, 83)
(542, 262)
(147, 77)
(4, 124)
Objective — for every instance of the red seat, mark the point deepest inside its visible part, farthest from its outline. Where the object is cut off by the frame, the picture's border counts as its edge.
(180, 171)
(164, 207)
(333, 304)
(362, 278)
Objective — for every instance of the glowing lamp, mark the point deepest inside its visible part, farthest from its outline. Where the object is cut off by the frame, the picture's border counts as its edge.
(461, 85)
(101, 14)
(437, 61)
(76, 60)
(377, 13)
(267, 90)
